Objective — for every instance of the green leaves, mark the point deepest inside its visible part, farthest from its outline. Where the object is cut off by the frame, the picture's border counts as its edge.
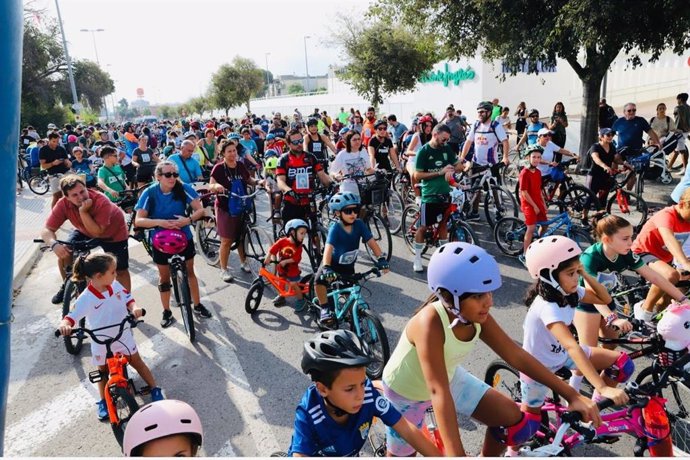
(235, 84)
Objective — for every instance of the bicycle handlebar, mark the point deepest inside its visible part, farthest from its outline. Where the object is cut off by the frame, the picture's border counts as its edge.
(244, 197)
(91, 332)
(83, 245)
(357, 277)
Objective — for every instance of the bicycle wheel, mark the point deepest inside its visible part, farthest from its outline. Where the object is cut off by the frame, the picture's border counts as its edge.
(382, 236)
(629, 206)
(505, 207)
(510, 174)
(395, 207)
(504, 378)
(509, 234)
(371, 331)
(410, 222)
(316, 240)
(253, 299)
(206, 239)
(677, 407)
(579, 198)
(39, 184)
(73, 344)
(185, 303)
(125, 406)
(459, 230)
(582, 237)
(256, 242)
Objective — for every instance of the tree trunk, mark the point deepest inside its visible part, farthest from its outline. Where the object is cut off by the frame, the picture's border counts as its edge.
(248, 108)
(591, 86)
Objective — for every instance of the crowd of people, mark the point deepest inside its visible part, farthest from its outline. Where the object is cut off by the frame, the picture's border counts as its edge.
(91, 167)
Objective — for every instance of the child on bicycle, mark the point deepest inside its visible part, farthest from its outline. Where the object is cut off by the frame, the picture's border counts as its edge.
(425, 368)
(105, 302)
(270, 166)
(602, 260)
(531, 199)
(336, 412)
(168, 428)
(288, 252)
(341, 249)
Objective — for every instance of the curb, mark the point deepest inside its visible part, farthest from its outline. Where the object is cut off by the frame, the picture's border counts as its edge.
(24, 267)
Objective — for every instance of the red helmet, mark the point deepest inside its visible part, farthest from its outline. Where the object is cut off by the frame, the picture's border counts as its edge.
(425, 119)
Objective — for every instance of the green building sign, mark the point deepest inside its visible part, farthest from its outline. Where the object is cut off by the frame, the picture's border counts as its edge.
(446, 76)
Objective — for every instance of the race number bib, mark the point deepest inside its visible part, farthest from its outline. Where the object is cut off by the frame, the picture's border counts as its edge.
(317, 147)
(302, 181)
(145, 157)
(608, 280)
(349, 258)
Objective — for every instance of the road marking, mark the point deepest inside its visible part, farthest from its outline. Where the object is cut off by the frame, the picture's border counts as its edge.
(26, 350)
(226, 451)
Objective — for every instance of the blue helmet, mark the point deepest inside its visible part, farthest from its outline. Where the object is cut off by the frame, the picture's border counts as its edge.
(234, 136)
(270, 153)
(343, 131)
(270, 137)
(342, 200)
(295, 224)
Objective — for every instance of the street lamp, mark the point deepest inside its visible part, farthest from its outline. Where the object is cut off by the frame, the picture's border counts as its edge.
(306, 63)
(95, 49)
(267, 83)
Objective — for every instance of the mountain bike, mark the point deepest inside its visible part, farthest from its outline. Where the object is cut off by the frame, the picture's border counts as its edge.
(626, 204)
(39, 183)
(180, 284)
(281, 286)
(120, 391)
(72, 289)
(498, 201)
(350, 307)
(127, 202)
(374, 195)
(206, 239)
(509, 233)
(458, 229)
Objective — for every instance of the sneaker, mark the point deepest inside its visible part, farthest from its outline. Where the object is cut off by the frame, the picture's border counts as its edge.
(300, 304)
(522, 260)
(417, 266)
(472, 216)
(59, 296)
(327, 319)
(202, 311)
(102, 409)
(157, 394)
(643, 315)
(168, 319)
(279, 301)
(245, 267)
(226, 276)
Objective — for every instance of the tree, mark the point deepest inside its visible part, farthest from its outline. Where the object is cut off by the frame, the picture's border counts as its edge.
(92, 82)
(220, 95)
(198, 105)
(235, 84)
(295, 88)
(122, 108)
(165, 111)
(588, 34)
(265, 90)
(383, 59)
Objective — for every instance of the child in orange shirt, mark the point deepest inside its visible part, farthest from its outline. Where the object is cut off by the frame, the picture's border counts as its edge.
(288, 252)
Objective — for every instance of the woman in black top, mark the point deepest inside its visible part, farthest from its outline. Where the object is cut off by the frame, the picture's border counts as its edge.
(145, 159)
(603, 155)
(521, 123)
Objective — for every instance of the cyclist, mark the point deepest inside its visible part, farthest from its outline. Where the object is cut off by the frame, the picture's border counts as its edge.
(162, 207)
(419, 139)
(531, 200)
(111, 176)
(246, 141)
(531, 130)
(270, 166)
(168, 428)
(277, 128)
(83, 166)
(602, 155)
(53, 159)
(145, 159)
(131, 142)
(288, 252)
(630, 128)
(190, 170)
(295, 174)
(486, 136)
(274, 143)
(341, 249)
(658, 246)
(425, 368)
(382, 152)
(612, 254)
(105, 302)
(435, 165)
(550, 150)
(315, 143)
(229, 226)
(368, 126)
(353, 160)
(208, 146)
(336, 412)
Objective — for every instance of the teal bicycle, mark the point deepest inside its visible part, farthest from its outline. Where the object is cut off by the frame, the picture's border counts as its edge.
(345, 294)
(509, 232)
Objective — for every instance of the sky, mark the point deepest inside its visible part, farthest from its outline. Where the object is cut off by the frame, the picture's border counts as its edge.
(170, 48)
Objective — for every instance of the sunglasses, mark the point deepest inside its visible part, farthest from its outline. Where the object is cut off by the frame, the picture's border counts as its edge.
(168, 175)
(444, 141)
(382, 128)
(631, 111)
(482, 111)
(350, 211)
(608, 134)
(296, 141)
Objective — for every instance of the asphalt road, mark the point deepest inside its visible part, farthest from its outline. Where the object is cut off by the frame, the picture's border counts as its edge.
(242, 375)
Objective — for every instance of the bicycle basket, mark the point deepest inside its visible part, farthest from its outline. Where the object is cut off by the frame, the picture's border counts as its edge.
(374, 192)
(557, 174)
(668, 357)
(640, 162)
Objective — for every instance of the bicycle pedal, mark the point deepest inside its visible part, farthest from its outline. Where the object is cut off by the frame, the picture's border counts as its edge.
(95, 376)
(143, 391)
(605, 439)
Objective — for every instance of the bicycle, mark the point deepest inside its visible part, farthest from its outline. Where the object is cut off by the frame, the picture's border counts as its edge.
(511, 173)
(498, 201)
(206, 239)
(120, 391)
(350, 307)
(626, 204)
(72, 289)
(128, 199)
(180, 284)
(281, 285)
(509, 233)
(458, 229)
(39, 183)
(377, 433)
(392, 208)
(373, 195)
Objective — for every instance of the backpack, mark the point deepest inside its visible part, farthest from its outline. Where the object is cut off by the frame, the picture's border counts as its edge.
(668, 122)
(237, 206)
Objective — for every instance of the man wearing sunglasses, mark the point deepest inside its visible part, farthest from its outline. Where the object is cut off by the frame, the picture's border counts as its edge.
(630, 128)
(531, 130)
(295, 174)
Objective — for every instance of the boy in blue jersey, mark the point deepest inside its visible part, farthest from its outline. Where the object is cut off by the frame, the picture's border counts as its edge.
(335, 414)
(341, 250)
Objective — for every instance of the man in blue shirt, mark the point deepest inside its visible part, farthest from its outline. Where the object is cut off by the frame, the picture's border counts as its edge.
(396, 130)
(190, 170)
(630, 128)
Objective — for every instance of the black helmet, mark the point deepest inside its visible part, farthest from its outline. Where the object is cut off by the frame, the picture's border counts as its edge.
(533, 112)
(485, 105)
(312, 122)
(383, 123)
(127, 125)
(334, 350)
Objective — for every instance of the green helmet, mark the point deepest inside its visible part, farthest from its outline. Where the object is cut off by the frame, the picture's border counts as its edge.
(534, 148)
(271, 163)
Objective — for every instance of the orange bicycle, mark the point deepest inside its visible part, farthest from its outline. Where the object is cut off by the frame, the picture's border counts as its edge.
(120, 390)
(281, 285)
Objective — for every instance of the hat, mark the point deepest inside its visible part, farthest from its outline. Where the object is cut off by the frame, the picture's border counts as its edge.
(544, 131)
(605, 131)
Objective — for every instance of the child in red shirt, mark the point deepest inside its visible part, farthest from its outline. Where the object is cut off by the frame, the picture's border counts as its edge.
(288, 252)
(531, 199)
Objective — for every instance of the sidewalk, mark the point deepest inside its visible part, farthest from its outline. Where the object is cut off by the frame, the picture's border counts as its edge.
(32, 211)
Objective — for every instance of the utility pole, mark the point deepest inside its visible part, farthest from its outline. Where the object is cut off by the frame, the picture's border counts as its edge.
(75, 100)
(306, 63)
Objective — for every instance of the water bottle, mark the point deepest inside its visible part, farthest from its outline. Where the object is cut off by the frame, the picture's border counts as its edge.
(431, 429)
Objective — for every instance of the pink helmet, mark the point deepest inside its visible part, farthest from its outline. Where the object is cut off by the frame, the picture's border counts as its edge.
(160, 419)
(170, 241)
(71, 138)
(548, 253)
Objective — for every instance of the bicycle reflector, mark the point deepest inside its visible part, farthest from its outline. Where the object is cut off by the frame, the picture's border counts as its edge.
(657, 428)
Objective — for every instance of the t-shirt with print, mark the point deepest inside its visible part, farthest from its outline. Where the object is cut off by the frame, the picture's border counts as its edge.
(538, 340)
(114, 178)
(353, 163)
(83, 167)
(382, 152)
(106, 214)
(650, 241)
(285, 248)
(486, 140)
(146, 161)
(431, 159)
(548, 155)
(598, 265)
(300, 172)
(316, 434)
(278, 132)
(346, 244)
(161, 205)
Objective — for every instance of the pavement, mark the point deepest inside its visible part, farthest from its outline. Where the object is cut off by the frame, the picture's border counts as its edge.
(32, 211)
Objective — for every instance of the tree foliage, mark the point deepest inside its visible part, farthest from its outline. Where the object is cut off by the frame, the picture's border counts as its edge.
(295, 88)
(92, 83)
(588, 34)
(198, 105)
(383, 59)
(235, 84)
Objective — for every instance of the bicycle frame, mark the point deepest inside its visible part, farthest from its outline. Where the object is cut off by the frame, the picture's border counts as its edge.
(354, 300)
(562, 219)
(117, 377)
(282, 285)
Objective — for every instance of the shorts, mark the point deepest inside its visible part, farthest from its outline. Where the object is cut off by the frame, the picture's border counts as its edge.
(683, 142)
(589, 308)
(534, 393)
(467, 391)
(431, 213)
(293, 211)
(130, 172)
(54, 182)
(125, 345)
(648, 258)
(347, 270)
(531, 217)
(161, 258)
(119, 249)
(144, 176)
(226, 225)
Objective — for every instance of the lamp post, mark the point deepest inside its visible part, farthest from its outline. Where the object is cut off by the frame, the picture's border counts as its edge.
(306, 62)
(267, 83)
(75, 100)
(95, 49)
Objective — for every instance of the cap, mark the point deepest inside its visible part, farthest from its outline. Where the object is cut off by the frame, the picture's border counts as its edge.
(544, 131)
(605, 131)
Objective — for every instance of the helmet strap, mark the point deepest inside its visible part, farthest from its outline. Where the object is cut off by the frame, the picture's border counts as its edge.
(455, 309)
(553, 283)
(337, 411)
